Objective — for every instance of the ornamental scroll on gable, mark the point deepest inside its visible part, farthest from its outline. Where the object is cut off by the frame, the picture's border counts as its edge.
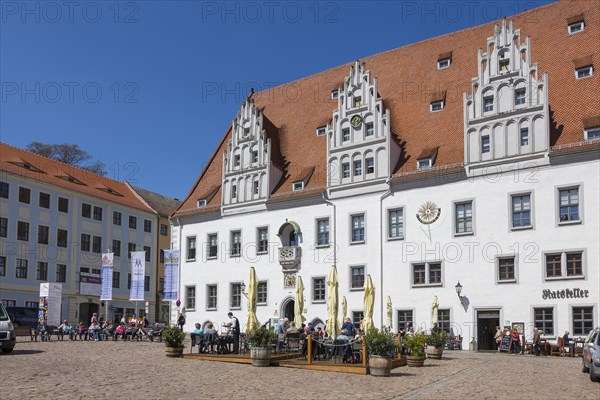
(359, 144)
(506, 113)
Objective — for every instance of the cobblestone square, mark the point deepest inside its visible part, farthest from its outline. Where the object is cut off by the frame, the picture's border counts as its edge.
(141, 370)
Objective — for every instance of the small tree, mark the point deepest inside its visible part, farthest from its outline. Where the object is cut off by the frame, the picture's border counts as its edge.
(437, 338)
(380, 343)
(172, 336)
(262, 337)
(416, 344)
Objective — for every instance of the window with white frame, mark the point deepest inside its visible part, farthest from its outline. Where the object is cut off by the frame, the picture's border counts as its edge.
(488, 104)
(148, 253)
(396, 223)
(246, 132)
(23, 231)
(357, 277)
(369, 165)
(576, 27)
(97, 213)
(346, 170)
(190, 298)
(357, 101)
(369, 129)
(262, 236)
(358, 228)
(233, 192)
(237, 160)
(97, 244)
(357, 166)
(583, 320)
(568, 204)
(567, 264)
(61, 273)
(86, 210)
(261, 293)
(43, 233)
(323, 232)
(345, 135)
(543, 319)
(584, 72)
(444, 320)
(427, 274)
(201, 203)
(424, 163)
(321, 131)
(4, 189)
(524, 136)
(298, 185)
(211, 297)
(254, 156)
(85, 242)
(463, 214)
(236, 243)
(24, 195)
(2, 265)
(443, 63)
(506, 269)
(503, 64)
(61, 237)
(485, 144)
(520, 96)
(521, 210)
(236, 296)
(44, 200)
(191, 248)
(132, 222)
(436, 105)
(318, 292)
(405, 318)
(4, 229)
(334, 94)
(592, 133)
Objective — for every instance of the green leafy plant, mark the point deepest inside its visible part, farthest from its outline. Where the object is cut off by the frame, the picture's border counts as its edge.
(262, 337)
(172, 336)
(437, 338)
(380, 343)
(415, 343)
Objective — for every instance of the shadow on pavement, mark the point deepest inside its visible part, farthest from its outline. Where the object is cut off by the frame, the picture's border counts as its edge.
(17, 352)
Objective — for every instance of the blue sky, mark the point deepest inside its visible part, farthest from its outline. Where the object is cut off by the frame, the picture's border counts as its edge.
(149, 87)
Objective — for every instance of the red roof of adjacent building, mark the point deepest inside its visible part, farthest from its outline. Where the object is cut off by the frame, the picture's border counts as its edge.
(408, 77)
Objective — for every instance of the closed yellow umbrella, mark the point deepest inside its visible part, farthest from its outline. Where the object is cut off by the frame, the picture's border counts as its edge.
(390, 313)
(332, 302)
(299, 303)
(344, 309)
(369, 302)
(252, 324)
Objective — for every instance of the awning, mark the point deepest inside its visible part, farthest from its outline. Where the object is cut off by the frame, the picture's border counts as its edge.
(293, 224)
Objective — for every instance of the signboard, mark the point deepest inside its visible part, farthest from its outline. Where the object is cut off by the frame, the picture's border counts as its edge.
(171, 288)
(107, 276)
(506, 342)
(574, 293)
(51, 301)
(90, 284)
(138, 271)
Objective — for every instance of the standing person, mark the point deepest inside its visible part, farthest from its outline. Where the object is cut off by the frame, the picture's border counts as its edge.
(181, 321)
(235, 331)
(516, 341)
(280, 332)
(101, 320)
(537, 340)
(349, 327)
(498, 338)
(94, 318)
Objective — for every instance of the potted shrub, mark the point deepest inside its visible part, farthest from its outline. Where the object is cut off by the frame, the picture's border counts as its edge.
(415, 343)
(435, 344)
(381, 347)
(173, 338)
(260, 346)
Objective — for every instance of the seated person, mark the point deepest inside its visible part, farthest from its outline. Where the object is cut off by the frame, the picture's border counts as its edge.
(154, 332)
(210, 335)
(131, 331)
(107, 329)
(343, 336)
(42, 330)
(348, 326)
(120, 331)
(566, 339)
(66, 329)
(95, 329)
(292, 330)
(82, 330)
(196, 335)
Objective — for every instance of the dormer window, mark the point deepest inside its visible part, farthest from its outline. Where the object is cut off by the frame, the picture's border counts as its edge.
(356, 101)
(334, 94)
(443, 63)
(436, 105)
(424, 163)
(519, 97)
(236, 160)
(201, 203)
(584, 72)
(488, 104)
(321, 131)
(298, 185)
(576, 27)
(592, 133)
(370, 131)
(254, 156)
(345, 135)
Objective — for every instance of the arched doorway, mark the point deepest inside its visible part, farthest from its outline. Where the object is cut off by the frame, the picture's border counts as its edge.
(287, 310)
(86, 310)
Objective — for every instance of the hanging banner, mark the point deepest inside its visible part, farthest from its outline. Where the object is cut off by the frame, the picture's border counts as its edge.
(138, 270)
(107, 276)
(51, 301)
(171, 274)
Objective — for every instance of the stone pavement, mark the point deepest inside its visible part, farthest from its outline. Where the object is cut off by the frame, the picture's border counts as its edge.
(140, 370)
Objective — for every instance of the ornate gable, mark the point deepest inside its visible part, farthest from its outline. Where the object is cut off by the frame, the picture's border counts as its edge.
(506, 113)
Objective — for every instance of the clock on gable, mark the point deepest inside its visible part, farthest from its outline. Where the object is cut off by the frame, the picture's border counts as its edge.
(356, 121)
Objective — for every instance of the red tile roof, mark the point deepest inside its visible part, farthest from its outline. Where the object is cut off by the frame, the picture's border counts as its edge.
(408, 77)
(32, 166)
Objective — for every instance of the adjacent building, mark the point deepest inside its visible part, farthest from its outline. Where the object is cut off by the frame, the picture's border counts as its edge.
(55, 222)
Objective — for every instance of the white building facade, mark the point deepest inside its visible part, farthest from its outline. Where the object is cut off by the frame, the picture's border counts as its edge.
(505, 207)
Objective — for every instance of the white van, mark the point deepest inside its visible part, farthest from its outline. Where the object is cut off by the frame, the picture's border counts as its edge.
(7, 331)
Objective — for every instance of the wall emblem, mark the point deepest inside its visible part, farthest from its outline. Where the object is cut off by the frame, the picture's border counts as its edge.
(428, 213)
(289, 280)
(356, 121)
